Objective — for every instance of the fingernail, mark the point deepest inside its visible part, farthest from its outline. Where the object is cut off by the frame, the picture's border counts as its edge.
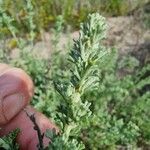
(12, 105)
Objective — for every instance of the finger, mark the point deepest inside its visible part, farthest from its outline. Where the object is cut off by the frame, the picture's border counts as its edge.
(16, 90)
(12, 104)
(28, 138)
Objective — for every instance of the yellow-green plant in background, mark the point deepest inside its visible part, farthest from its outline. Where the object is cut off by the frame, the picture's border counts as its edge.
(43, 13)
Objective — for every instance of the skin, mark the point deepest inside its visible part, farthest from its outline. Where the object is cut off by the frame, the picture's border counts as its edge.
(16, 91)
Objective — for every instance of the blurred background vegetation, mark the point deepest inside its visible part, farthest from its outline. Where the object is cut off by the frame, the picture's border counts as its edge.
(45, 12)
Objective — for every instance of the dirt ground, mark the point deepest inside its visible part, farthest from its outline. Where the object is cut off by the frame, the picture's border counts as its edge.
(124, 33)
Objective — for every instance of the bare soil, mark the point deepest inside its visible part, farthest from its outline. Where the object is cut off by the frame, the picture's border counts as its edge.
(124, 33)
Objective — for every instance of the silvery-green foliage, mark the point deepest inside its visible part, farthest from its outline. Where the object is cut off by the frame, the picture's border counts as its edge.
(7, 21)
(107, 106)
(74, 112)
(57, 31)
(30, 9)
(8, 142)
(87, 50)
(120, 104)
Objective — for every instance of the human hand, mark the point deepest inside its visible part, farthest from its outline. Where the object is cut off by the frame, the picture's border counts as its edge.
(16, 90)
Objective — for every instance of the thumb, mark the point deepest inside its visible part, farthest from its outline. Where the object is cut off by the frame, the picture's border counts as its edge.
(16, 89)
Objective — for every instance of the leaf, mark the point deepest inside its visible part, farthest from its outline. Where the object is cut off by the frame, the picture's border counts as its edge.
(8, 142)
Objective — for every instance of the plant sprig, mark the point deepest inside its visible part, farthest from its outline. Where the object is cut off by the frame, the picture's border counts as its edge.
(87, 50)
(8, 142)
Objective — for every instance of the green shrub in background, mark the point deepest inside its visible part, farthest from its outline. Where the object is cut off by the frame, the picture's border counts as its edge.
(112, 114)
(45, 12)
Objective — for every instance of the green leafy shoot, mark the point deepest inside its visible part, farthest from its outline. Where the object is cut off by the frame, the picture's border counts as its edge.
(8, 142)
(74, 112)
